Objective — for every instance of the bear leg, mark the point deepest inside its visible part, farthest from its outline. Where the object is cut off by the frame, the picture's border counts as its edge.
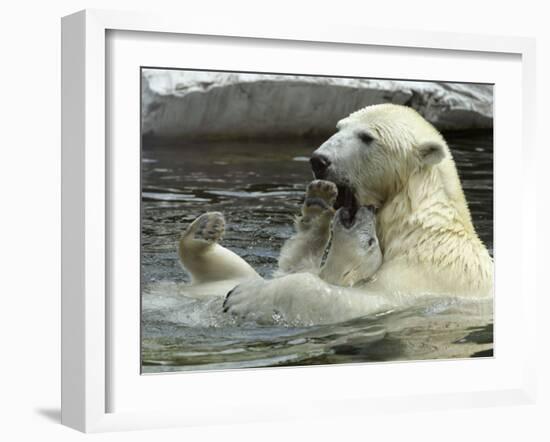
(304, 250)
(202, 256)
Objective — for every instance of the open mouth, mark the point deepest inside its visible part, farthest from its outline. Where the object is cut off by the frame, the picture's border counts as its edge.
(347, 202)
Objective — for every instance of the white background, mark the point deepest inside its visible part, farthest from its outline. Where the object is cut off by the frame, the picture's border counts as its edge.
(30, 182)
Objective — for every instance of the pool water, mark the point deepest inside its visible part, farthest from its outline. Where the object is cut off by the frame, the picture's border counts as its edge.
(259, 186)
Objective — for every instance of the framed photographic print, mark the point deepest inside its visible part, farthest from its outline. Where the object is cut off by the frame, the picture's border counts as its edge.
(235, 190)
(252, 213)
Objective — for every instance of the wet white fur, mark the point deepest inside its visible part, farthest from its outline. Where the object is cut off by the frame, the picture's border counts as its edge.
(209, 262)
(215, 270)
(354, 255)
(303, 252)
(424, 226)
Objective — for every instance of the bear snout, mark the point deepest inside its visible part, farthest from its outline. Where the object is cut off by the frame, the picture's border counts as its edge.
(319, 165)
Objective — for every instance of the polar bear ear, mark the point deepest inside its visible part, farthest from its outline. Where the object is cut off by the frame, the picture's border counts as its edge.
(431, 153)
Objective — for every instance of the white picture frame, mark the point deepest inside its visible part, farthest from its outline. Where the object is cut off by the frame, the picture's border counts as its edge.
(86, 212)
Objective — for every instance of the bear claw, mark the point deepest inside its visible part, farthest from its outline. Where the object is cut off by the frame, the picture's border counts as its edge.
(224, 305)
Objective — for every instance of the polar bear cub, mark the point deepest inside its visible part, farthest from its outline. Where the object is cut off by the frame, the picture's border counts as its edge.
(353, 257)
(354, 254)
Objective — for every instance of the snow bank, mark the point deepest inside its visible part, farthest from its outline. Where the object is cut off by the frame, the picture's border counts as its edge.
(219, 105)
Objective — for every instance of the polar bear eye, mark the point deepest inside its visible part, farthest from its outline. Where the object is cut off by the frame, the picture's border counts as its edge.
(365, 137)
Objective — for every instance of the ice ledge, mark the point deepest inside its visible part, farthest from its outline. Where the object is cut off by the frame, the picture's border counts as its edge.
(219, 105)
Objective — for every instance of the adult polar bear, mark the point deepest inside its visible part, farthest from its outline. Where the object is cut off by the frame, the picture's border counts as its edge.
(390, 157)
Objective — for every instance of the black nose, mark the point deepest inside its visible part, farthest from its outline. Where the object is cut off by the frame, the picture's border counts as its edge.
(319, 165)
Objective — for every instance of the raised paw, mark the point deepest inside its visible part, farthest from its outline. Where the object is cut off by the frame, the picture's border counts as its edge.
(208, 228)
(320, 196)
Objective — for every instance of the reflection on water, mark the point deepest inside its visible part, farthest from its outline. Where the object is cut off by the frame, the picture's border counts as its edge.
(259, 187)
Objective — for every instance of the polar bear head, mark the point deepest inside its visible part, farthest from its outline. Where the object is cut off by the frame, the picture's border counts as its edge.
(376, 150)
(354, 254)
